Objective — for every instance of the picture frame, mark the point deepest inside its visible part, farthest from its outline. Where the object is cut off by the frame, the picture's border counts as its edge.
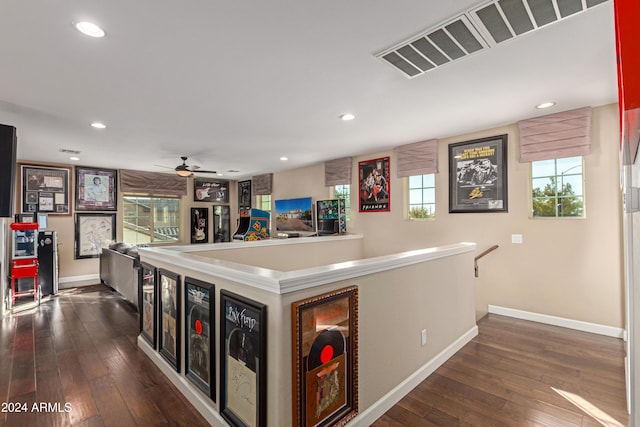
(210, 190)
(45, 189)
(199, 225)
(244, 194)
(243, 352)
(374, 194)
(325, 358)
(96, 189)
(199, 335)
(93, 231)
(169, 293)
(221, 223)
(148, 301)
(478, 175)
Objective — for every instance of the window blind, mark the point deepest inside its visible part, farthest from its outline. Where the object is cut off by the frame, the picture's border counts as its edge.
(132, 181)
(262, 184)
(419, 158)
(337, 172)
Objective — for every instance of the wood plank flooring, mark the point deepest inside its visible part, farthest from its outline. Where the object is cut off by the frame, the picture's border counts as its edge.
(79, 349)
(520, 373)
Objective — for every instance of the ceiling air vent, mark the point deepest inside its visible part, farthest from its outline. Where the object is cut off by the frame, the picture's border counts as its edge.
(69, 151)
(436, 47)
(502, 20)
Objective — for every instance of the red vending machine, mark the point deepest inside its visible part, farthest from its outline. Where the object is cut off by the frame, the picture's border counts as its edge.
(24, 259)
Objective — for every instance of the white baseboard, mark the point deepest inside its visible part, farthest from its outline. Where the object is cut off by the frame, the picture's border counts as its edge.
(386, 402)
(578, 325)
(72, 281)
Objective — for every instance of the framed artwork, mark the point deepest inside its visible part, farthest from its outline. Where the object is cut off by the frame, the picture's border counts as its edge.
(199, 350)
(94, 231)
(478, 175)
(45, 189)
(210, 190)
(325, 359)
(221, 223)
(147, 299)
(244, 194)
(169, 310)
(96, 189)
(243, 373)
(199, 225)
(375, 187)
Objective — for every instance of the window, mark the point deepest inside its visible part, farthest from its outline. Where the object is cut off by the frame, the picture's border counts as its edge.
(422, 196)
(264, 202)
(149, 219)
(344, 192)
(557, 188)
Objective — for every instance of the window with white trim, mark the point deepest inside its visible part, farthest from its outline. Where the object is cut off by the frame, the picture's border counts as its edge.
(557, 188)
(422, 196)
(344, 192)
(150, 219)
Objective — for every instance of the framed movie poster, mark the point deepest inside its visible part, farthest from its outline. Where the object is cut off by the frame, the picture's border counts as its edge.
(199, 225)
(243, 374)
(200, 367)
(210, 190)
(478, 175)
(375, 187)
(221, 223)
(96, 189)
(94, 231)
(147, 301)
(325, 359)
(45, 189)
(244, 194)
(169, 302)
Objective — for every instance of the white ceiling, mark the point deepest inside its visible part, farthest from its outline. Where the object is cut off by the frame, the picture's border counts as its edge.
(235, 85)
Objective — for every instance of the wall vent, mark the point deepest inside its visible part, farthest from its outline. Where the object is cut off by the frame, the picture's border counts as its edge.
(480, 28)
(68, 151)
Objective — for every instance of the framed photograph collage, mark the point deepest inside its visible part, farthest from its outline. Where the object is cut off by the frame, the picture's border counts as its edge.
(215, 192)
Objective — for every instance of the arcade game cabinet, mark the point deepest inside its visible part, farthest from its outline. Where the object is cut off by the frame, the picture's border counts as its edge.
(253, 225)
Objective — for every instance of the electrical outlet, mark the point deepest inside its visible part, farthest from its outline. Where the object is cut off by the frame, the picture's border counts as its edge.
(423, 335)
(516, 238)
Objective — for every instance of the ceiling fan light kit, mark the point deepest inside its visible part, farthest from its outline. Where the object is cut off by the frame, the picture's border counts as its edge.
(185, 170)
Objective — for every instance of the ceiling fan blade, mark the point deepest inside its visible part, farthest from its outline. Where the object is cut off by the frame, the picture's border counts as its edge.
(203, 171)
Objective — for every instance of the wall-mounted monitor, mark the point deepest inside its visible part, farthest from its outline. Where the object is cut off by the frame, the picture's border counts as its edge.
(295, 216)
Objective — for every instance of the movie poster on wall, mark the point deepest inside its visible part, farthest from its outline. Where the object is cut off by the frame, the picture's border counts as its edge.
(242, 360)
(375, 187)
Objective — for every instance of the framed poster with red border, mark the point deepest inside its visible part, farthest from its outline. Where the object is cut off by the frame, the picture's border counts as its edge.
(374, 194)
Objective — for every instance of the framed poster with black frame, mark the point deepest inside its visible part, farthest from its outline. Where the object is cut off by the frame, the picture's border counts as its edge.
(221, 223)
(45, 189)
(375, 185)
(244, 194)
(94, 231)
(169, 310)
(199, 347)
(243, 364)
(325, 359)
(147, 297)
(96, 189)
(210, 190)
(199, 225)
(478, 175)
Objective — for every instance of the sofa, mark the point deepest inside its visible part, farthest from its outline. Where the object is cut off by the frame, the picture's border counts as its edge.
(120, 268)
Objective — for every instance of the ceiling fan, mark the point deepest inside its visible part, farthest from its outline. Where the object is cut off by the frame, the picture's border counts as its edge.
(186, 170)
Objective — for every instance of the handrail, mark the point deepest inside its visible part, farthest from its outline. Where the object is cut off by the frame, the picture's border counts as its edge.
(475, 260)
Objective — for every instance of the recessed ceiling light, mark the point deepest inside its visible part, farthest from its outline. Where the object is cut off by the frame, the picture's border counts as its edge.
(98, 125)
(545, 105)
(347, 116)
(74, 158)
(90, 29)
(220, 174)
(284, 159)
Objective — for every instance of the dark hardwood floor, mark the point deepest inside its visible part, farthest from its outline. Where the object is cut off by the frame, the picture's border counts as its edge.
(79, 349)
(520, 373)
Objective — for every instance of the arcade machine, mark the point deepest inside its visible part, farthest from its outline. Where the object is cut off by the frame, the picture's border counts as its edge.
(253, 225)
(332, 217)
(24, 260)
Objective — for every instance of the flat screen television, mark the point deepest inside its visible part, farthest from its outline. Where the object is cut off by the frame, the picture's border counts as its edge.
(295, 216)
(330, 214)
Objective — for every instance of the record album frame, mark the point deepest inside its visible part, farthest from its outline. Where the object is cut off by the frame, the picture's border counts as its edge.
(243, 364)
(325, 359)
(210, 190)
(45, 189)
(148, 301)
(169, 317)
(199, 335)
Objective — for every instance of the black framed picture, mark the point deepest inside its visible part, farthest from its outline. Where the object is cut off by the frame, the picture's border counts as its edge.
(478, 175)
(199, 350)
(221, 223)
(210, 190)
(147, 301)
(243, 374)
(375, 185)
(45, 189)
(244, 194)
(94, 231)
(169, 310)
(199, 225)
(96, 189)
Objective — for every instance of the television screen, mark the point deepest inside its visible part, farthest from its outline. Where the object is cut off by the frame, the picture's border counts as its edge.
(294, 215)
(328, 209)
